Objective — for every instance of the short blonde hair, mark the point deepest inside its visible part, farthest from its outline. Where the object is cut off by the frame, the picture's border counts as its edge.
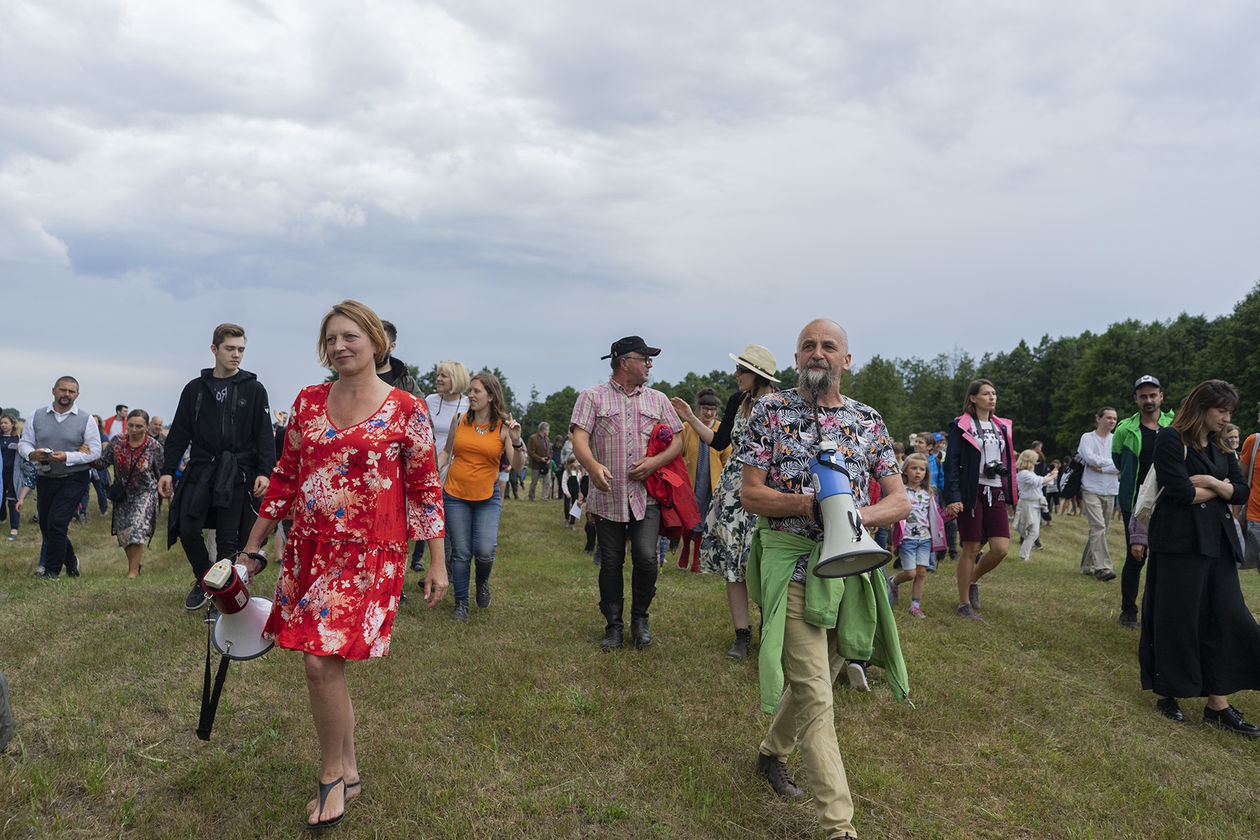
(366, 319)
(460, 379)
(1027, 460)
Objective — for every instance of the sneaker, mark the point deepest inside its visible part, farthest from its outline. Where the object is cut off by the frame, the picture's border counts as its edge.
(417, 566)
(1105, 575)
(916, 612)
(460, 613)
(1128, 618)
(776, 774)
(43, 575)
(402, 598)
(973, 595)
(483, 594)
(894, 593)
(856, 672)
(12, 536)
(72, 568)
(965, 611)
(196, 598)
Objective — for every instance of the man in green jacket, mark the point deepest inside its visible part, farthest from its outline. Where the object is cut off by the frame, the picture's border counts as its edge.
(1132, 449)
(802, 614)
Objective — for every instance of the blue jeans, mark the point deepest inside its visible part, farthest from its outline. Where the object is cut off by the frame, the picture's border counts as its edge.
(472, 531)
(100, 480)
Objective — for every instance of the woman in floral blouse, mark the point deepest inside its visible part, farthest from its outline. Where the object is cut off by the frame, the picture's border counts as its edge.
(357, 477)
(137, 462)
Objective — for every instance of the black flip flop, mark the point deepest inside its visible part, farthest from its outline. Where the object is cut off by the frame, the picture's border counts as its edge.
(325, 788)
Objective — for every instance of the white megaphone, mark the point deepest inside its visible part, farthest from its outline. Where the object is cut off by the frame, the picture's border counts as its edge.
(847, 549)
(239, 627)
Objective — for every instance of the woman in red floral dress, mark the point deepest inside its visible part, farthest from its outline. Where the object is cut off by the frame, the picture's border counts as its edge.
(357, 477)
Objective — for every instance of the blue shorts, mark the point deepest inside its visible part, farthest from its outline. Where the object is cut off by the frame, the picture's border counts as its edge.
(915, 553)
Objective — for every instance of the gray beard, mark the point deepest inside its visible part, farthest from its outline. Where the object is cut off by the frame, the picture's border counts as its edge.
(817, 381)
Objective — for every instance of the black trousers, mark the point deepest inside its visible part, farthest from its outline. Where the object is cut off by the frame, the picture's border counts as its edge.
(55, 502)
(642, 534)
(231, 526)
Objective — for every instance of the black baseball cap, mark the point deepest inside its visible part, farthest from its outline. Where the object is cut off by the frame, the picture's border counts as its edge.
(1146, 380)
(631, 344)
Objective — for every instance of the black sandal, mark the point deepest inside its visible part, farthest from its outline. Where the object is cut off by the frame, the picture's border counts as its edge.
(325, 788)
(358, 784)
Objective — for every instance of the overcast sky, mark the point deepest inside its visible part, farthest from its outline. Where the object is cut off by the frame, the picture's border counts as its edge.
(519, 184)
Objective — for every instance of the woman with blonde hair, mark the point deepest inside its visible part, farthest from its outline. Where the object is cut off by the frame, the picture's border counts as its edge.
(445, 403)
(357, 477)
(1028, 512)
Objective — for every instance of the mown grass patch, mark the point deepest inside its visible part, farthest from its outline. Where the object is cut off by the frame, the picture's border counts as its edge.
(514, 724)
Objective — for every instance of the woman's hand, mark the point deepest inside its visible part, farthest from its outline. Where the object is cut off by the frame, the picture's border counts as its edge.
(1218, 486)
(684, 410)
(953, 508)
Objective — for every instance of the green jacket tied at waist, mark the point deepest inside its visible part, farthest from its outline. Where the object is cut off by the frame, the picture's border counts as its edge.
(855, 607)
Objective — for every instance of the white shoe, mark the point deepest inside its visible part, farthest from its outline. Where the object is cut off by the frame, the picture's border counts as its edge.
(857, 676)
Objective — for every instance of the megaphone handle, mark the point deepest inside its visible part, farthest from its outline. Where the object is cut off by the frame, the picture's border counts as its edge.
(210, 701)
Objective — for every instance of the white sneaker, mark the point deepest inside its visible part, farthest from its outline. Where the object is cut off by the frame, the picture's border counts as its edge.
(857, 676)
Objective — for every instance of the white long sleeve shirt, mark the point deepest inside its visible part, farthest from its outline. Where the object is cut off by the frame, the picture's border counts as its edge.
(91, 435)
(1096, 452)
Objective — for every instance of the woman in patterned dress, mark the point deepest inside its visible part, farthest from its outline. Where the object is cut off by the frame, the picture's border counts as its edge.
(357, 477)
(728, 528)
(137, 462)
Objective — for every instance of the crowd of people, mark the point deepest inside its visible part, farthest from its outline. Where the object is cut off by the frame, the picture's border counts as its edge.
(364, 463)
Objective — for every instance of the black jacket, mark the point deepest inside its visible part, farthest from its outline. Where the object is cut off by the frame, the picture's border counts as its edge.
(245, 429)
(1181, 525)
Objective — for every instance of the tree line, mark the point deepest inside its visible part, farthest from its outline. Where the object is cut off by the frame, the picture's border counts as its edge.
(1051, 390)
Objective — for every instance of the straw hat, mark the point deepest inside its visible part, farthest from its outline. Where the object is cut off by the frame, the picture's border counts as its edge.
(759, 360)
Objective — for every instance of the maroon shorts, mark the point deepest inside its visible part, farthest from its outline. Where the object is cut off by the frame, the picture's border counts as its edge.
(987, 519)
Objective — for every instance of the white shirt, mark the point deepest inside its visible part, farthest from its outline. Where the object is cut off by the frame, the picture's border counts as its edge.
(1096, 452)
(91, 436)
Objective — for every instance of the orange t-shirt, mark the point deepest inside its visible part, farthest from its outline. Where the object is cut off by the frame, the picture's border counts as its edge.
(1251, 470)
(475, 465)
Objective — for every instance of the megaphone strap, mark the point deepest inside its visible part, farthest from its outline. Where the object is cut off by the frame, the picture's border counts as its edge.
(210, 700)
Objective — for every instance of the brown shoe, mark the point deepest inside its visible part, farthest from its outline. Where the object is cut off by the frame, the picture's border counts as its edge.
(776, 774)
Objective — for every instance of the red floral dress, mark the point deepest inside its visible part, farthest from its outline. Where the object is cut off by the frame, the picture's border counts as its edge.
(354, 495)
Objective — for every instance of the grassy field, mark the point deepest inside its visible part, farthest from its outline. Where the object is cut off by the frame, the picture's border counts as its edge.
(514, 724)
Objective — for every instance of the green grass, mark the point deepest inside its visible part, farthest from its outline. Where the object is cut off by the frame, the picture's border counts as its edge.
(514, 724)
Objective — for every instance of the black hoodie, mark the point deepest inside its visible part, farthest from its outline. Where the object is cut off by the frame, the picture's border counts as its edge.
(243, 427)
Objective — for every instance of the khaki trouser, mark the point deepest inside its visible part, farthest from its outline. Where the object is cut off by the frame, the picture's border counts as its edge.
(805, 716)
(1098, 509)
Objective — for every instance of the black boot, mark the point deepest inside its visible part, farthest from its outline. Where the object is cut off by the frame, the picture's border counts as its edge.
(613, 629)
(639, 632)
(743, 638)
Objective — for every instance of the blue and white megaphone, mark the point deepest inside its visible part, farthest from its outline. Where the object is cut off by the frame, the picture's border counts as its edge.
(847, 548)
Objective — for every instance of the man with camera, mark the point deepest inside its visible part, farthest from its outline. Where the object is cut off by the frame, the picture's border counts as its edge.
(801, 610)
(224, 417)
(1099, 485)
(61, 442)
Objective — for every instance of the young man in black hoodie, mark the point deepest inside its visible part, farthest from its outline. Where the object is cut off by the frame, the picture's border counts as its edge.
(224, 417)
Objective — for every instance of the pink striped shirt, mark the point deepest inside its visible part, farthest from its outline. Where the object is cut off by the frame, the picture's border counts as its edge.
(619, 424)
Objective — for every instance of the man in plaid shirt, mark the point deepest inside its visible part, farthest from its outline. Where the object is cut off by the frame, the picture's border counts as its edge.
(610, 428)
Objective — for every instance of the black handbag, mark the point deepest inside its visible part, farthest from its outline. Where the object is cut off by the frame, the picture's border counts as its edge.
(117, 491)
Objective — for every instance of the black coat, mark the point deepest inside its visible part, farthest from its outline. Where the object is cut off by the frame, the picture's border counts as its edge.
(1180, 525)
(1198, 637)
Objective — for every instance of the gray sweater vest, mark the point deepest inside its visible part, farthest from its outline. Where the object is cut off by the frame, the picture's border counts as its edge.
(66, 436)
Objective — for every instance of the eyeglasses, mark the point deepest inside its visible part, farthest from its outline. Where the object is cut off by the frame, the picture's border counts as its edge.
(646, 360)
